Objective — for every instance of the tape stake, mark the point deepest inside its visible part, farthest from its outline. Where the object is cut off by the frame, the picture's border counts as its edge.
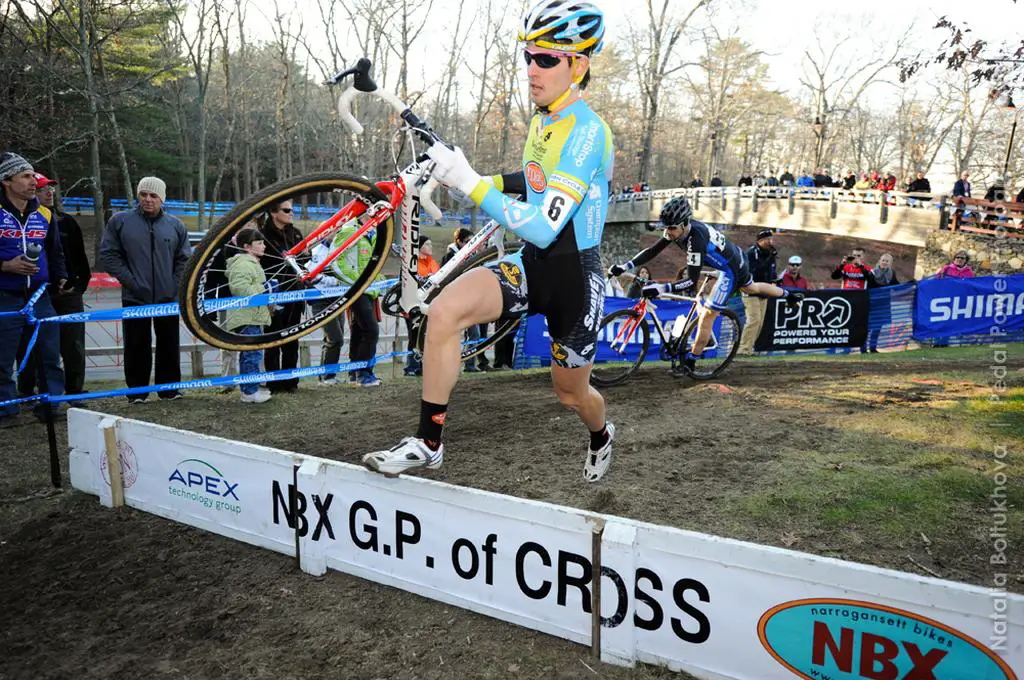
(595, 588)
(114, 466)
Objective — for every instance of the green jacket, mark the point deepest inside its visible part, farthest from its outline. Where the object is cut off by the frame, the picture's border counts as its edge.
(350, 264)
(246, 277)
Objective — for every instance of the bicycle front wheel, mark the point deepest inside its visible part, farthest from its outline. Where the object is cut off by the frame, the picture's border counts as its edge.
(630, 337)
(314, 198)
(502, 327)
(721, 347)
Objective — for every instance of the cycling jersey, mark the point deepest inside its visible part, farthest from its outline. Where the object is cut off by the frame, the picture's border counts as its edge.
(567, 165)
(705, 245)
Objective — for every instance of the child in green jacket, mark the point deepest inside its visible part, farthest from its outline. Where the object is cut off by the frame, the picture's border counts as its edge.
(246, 277)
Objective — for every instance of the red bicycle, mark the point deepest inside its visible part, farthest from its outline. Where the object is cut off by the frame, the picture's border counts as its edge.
(628, 331)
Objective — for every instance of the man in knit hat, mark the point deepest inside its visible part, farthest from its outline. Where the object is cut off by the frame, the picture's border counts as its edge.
(146, 249)
(30, 257)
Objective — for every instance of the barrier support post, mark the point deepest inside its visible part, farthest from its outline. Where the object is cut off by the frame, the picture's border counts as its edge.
(595, 589)
(197, 363)
(113, 466)
(304, 358)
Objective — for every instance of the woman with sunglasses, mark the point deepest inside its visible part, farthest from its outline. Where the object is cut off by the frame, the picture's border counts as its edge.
(280, 235)
(564, 184)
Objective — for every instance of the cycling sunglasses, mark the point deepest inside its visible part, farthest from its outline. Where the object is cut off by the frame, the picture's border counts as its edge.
(543, 59)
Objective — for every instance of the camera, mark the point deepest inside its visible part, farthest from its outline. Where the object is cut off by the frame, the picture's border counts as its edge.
(653, 226)
(850, 258)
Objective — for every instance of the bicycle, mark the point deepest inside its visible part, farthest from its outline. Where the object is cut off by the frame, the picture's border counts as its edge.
(629, 333)
(368, 209)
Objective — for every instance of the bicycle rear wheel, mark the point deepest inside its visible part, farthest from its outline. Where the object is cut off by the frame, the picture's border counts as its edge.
(502, 327)
(630, 337)
(725, 340)
(314, 198)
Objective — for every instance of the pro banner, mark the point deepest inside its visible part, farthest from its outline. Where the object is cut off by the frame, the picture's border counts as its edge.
(825, 318)
(538, 342)
(987, 305)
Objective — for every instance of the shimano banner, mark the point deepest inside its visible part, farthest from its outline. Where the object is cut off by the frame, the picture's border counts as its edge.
(987, 305)
(825, 318)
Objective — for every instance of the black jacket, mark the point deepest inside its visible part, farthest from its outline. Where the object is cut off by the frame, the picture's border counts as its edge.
(75, 258)
(762, 263)
(147, 255)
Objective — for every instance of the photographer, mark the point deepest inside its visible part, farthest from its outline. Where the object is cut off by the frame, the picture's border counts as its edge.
(854, 274)
(761, 260)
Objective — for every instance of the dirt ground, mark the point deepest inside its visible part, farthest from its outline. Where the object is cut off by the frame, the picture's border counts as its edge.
(881, 459)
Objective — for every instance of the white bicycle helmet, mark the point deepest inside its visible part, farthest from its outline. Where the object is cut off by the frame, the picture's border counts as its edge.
(564, 25)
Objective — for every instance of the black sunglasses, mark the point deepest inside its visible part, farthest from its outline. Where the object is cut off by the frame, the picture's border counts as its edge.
(284, 210)
(543, 60)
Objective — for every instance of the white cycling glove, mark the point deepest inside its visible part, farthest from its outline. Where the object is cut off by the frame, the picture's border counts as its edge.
(453, 170)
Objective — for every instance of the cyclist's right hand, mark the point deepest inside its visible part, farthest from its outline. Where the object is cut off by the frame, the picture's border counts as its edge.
(616, 270)
(452, 169)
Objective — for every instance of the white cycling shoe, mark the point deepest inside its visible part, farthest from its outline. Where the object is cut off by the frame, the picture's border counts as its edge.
(409, 454)
(599, 461)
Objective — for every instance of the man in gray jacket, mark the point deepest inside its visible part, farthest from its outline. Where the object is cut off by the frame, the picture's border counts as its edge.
(146, 249)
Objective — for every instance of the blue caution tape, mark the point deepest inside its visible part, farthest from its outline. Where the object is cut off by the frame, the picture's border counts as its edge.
(242, 379)
(30, 317)
(172, 309)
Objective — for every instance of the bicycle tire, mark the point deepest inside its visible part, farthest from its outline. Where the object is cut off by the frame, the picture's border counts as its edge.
(502, 327)
(192, 294)
(606, 376)
(730, 331)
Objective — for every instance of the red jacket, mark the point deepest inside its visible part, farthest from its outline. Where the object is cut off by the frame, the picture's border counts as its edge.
(855, 276)
(789, 281)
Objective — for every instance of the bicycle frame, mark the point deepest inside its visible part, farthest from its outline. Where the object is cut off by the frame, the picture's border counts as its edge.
(405, 193)
(646, 307)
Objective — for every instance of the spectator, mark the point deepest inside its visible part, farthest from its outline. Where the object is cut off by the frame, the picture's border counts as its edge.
(884, 275)
(864, 183)
(65, 301)
(425, 266)
(850, 180)
(787, 178)
(334, 330)
(745, 181)
(641, 279)
(716, 181)
(759, 179)
(889, 183)
(920, 185)
(962, 187)
(362, 314)
(771, 180)
(281, 235)
(805, 180)
(792, 277)
(146, 249)
(30, 256)
(645, 187)
(246, 277)
(957, 268)
(855, 275)
(761, 260)
(696, 182)
(995, 193)
(822, 178)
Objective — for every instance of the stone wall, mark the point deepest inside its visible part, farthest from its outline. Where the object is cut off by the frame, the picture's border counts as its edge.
(820, 252)
(989, 254)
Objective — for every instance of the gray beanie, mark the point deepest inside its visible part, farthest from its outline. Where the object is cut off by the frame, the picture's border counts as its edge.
(12, 164)
(154, 185)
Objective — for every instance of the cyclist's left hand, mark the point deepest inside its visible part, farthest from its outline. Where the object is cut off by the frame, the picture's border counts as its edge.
(653, 290)
(453, 170)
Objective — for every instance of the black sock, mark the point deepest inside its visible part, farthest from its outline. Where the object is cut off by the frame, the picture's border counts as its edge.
(431, 423)
(599, 438)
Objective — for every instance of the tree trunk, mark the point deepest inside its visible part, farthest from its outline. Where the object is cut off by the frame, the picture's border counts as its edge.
(85, 56)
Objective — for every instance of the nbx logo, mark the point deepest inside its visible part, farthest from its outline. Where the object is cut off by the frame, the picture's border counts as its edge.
(880, 657)
(283, 505)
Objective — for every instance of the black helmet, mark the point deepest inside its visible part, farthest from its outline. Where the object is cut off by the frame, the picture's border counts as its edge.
(677, 212)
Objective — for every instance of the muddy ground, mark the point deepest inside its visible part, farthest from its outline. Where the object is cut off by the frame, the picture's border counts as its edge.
(94, 593)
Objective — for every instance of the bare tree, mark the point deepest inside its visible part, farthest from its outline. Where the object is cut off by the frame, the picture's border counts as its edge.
(836, 77)
(654, 61)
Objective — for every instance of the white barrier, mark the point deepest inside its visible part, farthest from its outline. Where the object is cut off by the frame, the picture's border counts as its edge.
(714, 607)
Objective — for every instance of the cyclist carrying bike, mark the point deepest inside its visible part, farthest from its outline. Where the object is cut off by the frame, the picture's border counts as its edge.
(704, 245)
(567, 164)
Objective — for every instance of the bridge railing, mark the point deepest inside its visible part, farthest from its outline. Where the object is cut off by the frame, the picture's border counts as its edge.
(837, 194)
